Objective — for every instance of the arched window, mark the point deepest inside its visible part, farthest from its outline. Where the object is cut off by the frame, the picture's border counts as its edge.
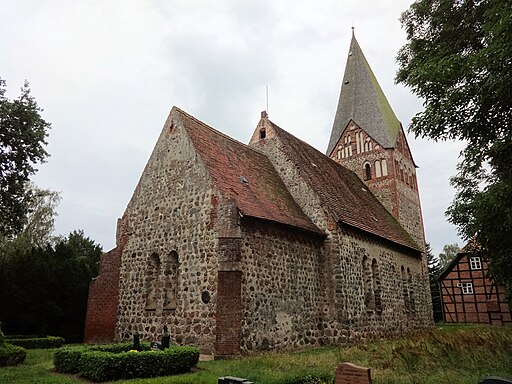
(152, 282)
(369, 298)
(367, 171)
(378, 172)
(384, 164)
(171, 275)
(405, 290)
(412, 304)
(377, 288)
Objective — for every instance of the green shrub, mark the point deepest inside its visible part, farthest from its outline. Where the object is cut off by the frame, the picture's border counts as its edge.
(103, 366)
(38, 342)
(66, 360)
(119, 347)
(11, 354)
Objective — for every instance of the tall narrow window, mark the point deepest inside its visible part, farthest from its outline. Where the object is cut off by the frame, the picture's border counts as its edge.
(171, 281)
(405, 290)
(369, 298)
(367, 171)
(384, 167)
(377, 288)
(152, 282)
(410, 284)
(378, 172)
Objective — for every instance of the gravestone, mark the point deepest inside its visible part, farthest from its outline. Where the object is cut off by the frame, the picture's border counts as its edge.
(233, 380)
(494, 380)
(348, 373)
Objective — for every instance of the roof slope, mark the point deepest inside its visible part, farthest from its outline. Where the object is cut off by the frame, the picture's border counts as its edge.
(342, 192)
(363, 101)
(244, 174)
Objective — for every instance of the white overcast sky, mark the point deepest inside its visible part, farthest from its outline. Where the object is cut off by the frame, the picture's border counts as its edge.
(108, 72)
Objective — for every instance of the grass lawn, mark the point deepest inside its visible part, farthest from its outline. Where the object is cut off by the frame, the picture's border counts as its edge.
(451, 354)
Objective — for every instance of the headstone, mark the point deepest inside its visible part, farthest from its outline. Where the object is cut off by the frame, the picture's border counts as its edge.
(155, 346)
(348, 373)
(233, 380)
(494, 380)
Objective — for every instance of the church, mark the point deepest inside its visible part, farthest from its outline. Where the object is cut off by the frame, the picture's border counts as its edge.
(271, 245)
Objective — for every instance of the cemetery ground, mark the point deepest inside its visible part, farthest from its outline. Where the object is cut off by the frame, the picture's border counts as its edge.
(447, 354)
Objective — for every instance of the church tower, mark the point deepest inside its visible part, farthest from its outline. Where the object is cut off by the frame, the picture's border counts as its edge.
(368, 138)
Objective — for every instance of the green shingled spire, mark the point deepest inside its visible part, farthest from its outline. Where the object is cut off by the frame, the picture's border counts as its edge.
(363, 101)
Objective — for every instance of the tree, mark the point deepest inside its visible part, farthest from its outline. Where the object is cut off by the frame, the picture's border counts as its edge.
(434, 270)
(22, 139)
(45, 289)
(458, 59)
(448, 254)
(39, 223)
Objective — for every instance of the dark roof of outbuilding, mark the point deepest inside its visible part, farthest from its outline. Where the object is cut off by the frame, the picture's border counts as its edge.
(245, 175)
(341, 191)
(363, 101)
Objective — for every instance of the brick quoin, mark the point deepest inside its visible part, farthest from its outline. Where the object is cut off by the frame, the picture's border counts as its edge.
(100, 322)
(229, 299)
(228, 314)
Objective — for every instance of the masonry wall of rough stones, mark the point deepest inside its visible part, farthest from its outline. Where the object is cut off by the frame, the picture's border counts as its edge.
(353, 318)
(281, 291)
(345, 316)
(170, 219)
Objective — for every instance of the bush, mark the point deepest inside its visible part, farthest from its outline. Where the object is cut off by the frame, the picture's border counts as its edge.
(66, 360)
(11, 354)
(38, 342)
(102, 366)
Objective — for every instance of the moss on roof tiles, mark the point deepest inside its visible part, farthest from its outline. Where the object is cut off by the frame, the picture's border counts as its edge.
(363, 101)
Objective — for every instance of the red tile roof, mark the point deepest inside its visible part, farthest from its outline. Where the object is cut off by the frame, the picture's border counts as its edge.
(342, 192)
(244, 174)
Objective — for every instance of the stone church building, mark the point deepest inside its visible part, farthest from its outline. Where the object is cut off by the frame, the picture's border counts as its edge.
(271, 245)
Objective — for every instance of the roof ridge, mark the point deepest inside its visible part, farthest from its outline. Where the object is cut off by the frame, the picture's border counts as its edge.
(215, 130)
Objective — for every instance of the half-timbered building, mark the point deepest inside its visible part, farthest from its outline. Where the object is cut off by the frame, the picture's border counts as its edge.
(469, 294)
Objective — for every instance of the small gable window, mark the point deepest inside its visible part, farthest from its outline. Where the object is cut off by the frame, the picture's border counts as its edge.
(367, 171)
(475, 263)
(263, 133)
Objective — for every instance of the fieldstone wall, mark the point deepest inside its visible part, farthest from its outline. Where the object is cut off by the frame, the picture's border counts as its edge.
(359, 305)
(281, 287)
(168, 270)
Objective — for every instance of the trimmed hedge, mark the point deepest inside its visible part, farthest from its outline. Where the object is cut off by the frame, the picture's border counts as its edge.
(67, 359)
(11, 354)
(104, 366)
(113, 361)
(37, 342)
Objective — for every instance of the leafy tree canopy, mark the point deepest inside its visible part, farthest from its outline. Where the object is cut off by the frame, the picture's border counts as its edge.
(22, 139)
(44, 289)
(448, 254)
(458, 59)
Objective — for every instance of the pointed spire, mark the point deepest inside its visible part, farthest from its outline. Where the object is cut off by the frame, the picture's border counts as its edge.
(363, 101)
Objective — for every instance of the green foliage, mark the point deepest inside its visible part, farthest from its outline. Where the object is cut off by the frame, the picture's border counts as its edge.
(66, 360)
(448, 254)
(38, 342)
(110, 362)
(2, 336)
(434, 270)
(458, 58)
(22, 139)
(11, 354)
(46, 288)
